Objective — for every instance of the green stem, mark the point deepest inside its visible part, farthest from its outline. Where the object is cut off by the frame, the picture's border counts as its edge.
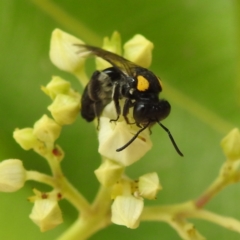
(40, 177)
(92, 221)
(75, 197)
(85, 227)
(211, 191)
(227, 222)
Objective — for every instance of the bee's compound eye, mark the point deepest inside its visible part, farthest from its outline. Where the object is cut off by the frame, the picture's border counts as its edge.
(140, 111)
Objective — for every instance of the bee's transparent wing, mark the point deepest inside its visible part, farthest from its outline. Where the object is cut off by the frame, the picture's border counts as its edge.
(115, 60)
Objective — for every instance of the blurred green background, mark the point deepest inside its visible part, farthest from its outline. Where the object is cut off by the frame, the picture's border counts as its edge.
(196, 55)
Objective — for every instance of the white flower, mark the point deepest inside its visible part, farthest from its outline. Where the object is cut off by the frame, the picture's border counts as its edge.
(112, 45)
(126, 210)
(56, 86)
(63, 52)
(109, 172)
(65, 109)
(46, 129)
(139, 50)
(12, 175)
(113, 135)
(46, 213)
(148, 185)
(25, 138)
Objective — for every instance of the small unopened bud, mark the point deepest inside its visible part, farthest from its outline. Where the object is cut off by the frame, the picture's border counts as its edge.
(63, 52)
(109, 172)
(139, 50)
(65, 109)
(46, 129)
(126, 210)
(46, 213)
(25, 138)
(56, 86)
(231, 145)
(112, 45)
(12, 175)
(148, 185)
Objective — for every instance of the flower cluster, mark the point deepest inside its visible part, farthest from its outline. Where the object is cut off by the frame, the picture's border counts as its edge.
(120, 199)
(127, 194)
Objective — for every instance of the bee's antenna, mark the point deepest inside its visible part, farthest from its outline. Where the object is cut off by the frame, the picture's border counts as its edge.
(171, 138)
(132, 139)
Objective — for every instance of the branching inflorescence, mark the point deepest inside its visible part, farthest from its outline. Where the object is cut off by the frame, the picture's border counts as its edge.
(120, 199)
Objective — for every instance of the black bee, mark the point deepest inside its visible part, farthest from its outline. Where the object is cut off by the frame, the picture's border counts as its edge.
(138, 86)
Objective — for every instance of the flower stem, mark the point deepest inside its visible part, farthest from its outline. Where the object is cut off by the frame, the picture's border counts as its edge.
(75, 197)
(211, 191)
(40, 177)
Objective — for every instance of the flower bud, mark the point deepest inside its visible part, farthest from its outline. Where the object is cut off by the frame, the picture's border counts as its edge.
(148, 185)
(115, 135)
(46, 214)
(111, 45)
(139, 50)
(65, 109)
(46, 129)
(56, 86)
(25, 138)
(231, 145)
(12, 175)
(109, 172)
(63, 52)
(126, 210)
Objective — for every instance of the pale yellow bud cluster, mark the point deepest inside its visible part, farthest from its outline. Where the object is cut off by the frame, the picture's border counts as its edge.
(66, 102)
(127, 194)
(41, 137)
(128, 198)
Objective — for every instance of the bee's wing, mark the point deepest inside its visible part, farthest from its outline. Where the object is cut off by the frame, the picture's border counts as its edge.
(117, 61)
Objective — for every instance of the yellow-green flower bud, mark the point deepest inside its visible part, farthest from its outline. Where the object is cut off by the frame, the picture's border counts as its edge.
(126, 210)
(231, 145)
(63, 52)
(12, 175)
(148, 185)
(25, 138)
(139, 50)
(112, 45)
(114, 135)
(56, 86)
(46, 214)
(46, 129)
(109, 172)
(65, 109)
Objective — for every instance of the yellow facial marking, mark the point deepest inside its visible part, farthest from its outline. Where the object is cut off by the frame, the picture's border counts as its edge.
(142, 84)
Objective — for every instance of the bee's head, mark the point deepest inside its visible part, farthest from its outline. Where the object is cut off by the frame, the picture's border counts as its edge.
(147, 111)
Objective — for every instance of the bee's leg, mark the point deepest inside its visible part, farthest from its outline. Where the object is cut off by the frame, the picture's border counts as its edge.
(98, 110)
(127, 105)
(115, 97)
